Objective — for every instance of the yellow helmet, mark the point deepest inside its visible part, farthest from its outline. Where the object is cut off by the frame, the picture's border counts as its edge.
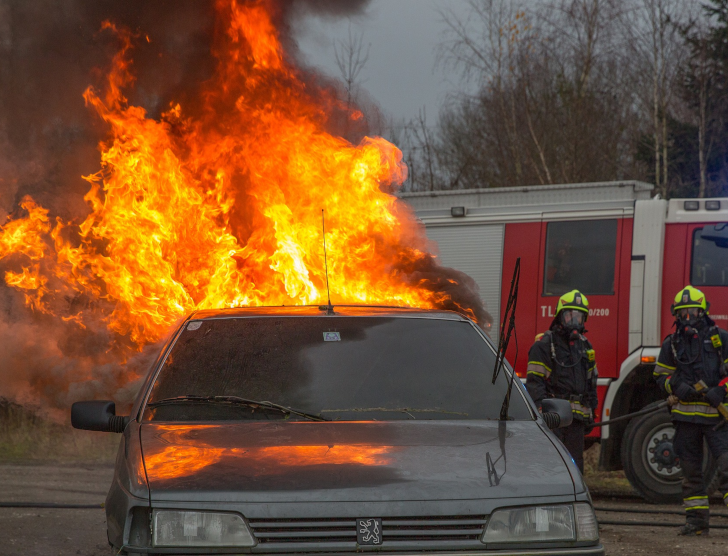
(689, 297)
(573, 300)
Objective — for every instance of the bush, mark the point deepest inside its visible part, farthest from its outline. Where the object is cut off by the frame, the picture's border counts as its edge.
(26, 435)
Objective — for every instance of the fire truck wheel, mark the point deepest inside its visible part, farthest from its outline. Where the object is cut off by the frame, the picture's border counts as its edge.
(649, 461)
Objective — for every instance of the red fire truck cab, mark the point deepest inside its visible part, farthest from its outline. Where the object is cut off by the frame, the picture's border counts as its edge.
(630, 253)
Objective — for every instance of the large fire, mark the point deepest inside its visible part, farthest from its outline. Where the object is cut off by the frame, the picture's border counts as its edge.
(219, 204)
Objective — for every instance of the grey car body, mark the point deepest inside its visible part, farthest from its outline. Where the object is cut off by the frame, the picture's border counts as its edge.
(430, 481)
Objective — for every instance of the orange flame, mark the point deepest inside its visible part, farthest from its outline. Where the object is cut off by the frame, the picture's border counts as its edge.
(26, 235)
(223, 208)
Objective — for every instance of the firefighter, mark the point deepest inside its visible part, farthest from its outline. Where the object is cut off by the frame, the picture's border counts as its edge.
(697, 351)
(561, 364)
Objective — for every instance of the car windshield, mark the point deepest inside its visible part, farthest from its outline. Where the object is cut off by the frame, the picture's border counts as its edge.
(332, 367)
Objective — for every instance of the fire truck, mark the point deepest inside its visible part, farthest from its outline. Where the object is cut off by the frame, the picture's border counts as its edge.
(629, 252)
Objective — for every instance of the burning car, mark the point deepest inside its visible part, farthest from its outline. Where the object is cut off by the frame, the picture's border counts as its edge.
(338, 429)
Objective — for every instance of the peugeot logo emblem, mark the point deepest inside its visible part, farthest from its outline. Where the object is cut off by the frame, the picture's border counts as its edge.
(369, 531)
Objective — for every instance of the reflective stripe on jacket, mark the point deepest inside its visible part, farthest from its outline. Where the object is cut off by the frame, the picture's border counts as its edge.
(687, 358)
(696, 409)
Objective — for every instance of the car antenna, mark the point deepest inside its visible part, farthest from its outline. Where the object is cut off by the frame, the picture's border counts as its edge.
(509, 320)
(329, 307)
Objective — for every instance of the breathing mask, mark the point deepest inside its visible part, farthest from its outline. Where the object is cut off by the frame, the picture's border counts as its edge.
(573, 320)
(689, 316)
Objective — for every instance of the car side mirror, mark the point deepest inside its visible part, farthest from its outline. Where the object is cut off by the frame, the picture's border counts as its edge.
(556, 413)
(97, 416)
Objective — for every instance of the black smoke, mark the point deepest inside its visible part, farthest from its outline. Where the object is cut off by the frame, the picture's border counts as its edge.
(50, 52)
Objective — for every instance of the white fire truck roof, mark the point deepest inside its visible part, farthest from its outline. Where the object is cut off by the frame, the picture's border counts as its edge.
(528, 203)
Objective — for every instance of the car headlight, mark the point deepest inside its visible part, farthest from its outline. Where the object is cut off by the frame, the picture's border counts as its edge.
(181, 528)
(542, 523)
(536, 523)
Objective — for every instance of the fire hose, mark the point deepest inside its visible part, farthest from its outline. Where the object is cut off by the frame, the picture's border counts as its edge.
(650, 511)
(552, 419)
(670, 401)
(52, 505)
(623, 523)
(651, 522)
(645, 411)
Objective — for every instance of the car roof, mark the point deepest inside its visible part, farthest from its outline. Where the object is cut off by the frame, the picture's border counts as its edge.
(321, 311)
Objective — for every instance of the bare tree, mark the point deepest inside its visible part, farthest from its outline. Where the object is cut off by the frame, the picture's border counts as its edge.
(425, 141)
(553, 102)
(701, 91)
(421, 152)
(351, 57)
(363, 115)
(485, 46)
(595, 111)
(656, 51)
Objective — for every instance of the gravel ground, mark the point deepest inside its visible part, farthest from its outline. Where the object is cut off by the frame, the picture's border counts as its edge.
(33, 532)
(659, 540)
(54, 532)
(74, 532)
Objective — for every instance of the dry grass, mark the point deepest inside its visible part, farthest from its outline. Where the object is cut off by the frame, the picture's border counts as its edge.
(25, 436)
(603, 483)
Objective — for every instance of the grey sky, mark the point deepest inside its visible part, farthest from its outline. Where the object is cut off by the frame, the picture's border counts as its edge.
(400, 74)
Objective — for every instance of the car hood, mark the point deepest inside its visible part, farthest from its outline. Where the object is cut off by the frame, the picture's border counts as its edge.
(280, 461)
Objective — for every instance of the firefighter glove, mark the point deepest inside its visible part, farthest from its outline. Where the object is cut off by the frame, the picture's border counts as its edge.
(684, 391)
(715, 396)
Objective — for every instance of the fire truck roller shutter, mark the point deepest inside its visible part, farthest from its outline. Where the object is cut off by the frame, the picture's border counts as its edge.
(476, 250)
(648, 245)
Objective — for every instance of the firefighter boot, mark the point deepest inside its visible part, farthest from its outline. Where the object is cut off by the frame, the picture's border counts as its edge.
(688, 445)
(691, 530)
(723, 476)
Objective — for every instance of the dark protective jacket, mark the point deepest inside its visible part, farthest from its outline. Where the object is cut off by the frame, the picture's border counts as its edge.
(568, 371)
(688, 357)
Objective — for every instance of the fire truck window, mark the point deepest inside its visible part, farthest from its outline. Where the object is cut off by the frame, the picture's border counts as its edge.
(580, 255)
(710, 256)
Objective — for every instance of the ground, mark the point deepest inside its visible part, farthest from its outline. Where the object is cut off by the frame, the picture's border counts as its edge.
(54, 532)
(611, 490)
(620, 539)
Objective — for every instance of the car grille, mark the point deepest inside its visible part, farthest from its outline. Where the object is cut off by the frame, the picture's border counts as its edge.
(418, 532)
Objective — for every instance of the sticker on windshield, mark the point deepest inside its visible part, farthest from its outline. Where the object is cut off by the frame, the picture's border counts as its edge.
(194, 325)
(332, 337)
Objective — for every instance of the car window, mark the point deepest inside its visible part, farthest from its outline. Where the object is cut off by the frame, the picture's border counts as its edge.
(580, 255)
(710, 256)
(342, 368)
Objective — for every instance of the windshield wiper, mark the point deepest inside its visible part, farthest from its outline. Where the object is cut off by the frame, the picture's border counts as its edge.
(509, 317)
(406, 410)
(235, 400)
